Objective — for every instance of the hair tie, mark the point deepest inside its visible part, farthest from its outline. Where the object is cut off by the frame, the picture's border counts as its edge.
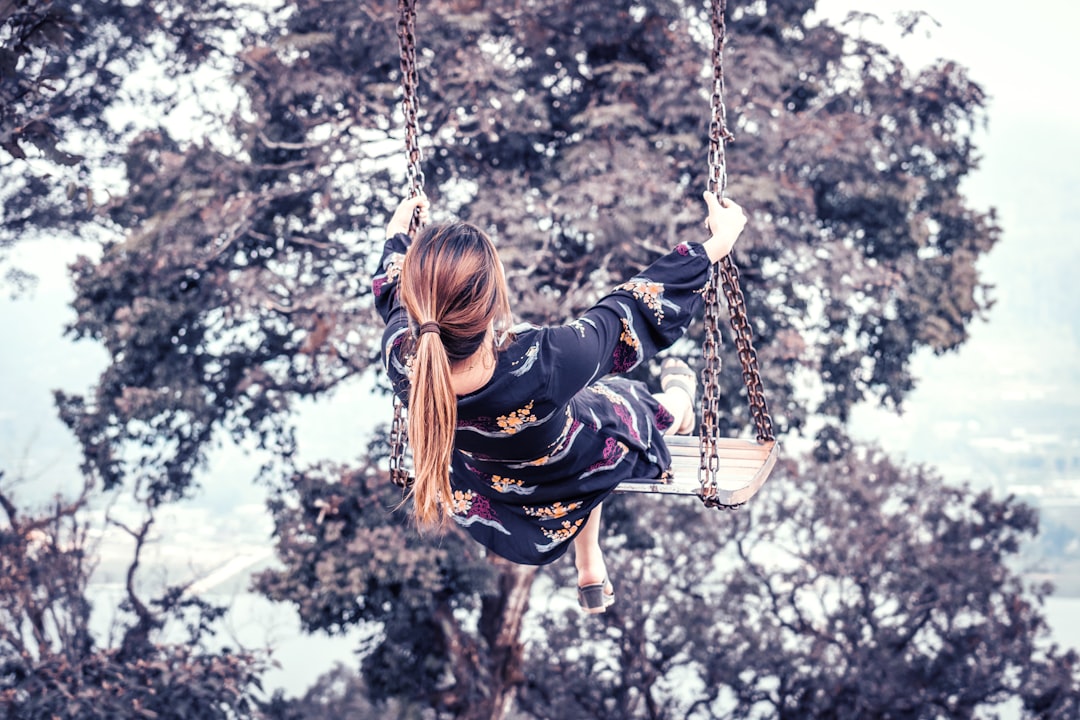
(430, 326)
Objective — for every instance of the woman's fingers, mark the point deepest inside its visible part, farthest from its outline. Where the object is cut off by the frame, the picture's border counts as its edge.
(711, 200)
(725, 222)
(719, 210)
(402, 217)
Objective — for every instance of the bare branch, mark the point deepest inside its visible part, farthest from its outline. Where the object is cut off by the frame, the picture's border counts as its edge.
(281, 145)
(137, 636)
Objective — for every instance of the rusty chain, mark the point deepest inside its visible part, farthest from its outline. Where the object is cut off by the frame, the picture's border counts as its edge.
(399, 437)
(744, 345)
(410, 106)
(725, 274)
(399, 428)
(718, 136)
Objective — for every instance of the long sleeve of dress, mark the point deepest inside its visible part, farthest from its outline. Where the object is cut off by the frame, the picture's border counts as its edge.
(638, 319)
(384, 286)
(549, 436)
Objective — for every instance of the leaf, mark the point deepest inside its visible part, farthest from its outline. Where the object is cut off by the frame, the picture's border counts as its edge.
(7, 9)
(9, 60)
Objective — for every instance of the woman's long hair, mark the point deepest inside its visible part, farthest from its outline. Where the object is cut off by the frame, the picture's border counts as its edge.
(451, 276)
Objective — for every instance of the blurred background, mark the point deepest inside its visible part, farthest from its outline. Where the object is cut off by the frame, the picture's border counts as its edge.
(225, 174)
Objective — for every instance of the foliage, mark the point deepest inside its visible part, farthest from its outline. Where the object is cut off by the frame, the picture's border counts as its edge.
(237, 282)
(241, 281)
(66, 99)
(849, 589)
(51, 664)
(338, 693)
(348, 560)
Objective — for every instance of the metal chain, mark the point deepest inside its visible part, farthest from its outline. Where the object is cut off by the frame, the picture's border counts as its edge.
(710, 376)
(399, 428)
(399, 437)
(727, 274)
(744, 344)
(719, 134)
(710, 431)
(410, 106)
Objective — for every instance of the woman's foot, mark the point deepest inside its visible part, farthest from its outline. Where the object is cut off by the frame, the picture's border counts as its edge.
(589, 561)
(595, 593)
(596, 598)
(677, 375)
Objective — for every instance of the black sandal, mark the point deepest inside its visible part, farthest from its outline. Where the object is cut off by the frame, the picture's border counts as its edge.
(597, 597)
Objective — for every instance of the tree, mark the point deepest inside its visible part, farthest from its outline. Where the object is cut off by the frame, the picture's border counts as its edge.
(849, 589)
(65, 99)
(574, 132)
(338, 693)
(52, 664)
(270, 239)
(348, 559)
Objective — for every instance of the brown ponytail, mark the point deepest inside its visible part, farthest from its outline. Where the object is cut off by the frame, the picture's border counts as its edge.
(451, 276)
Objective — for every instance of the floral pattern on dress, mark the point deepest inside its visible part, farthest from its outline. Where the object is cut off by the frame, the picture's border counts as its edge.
(562, 445)
(628, 350)
(620, 406)
(506, 485)
(468, 508)
(505, 425)
(485, 425)
(563, 533)
(395, 351)
(614, 452)
(579, 324)
(517, 420)
(527, 361)
(648, 292)
(552, 512)
(391, 272)
(628, 420)
(663, 418)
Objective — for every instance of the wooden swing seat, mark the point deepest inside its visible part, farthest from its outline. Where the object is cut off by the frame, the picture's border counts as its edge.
(744, 467)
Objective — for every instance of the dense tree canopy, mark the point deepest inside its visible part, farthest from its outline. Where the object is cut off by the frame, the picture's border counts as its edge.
(234, 281)
(574, 132)
(67, 103)
(849, 588)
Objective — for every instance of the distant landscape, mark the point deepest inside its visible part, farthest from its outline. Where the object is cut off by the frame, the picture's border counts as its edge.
(1004, 412)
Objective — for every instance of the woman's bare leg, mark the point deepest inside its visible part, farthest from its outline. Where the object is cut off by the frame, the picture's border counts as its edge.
(678, 403)
(588, 557)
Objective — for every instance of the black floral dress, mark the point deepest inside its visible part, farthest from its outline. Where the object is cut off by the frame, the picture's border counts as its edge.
(552, 433)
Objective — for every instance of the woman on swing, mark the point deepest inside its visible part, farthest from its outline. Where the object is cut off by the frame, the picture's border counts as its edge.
(519, 434)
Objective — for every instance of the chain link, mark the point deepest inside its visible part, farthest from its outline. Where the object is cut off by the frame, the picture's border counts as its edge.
(710, 431)
(726, 274)
(710, 376)
(399, 438)
(406, 32)
(719, 134)
(410, 106)
(744, 345)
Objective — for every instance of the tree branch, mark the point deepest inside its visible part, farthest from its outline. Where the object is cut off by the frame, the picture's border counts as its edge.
(138, 635)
